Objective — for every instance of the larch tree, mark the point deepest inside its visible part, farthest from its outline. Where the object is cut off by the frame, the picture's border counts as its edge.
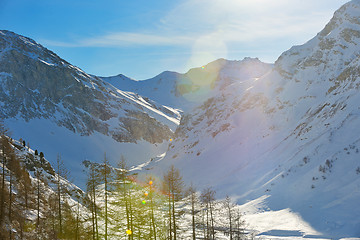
(106, 176)
(92, 182)
(191, 192)
(4, 146)
(239, 225)
(229, 206)
(38, 195)
(208, 198)
(61, 174)
(173, 186)
(152, 215)
(124, 184)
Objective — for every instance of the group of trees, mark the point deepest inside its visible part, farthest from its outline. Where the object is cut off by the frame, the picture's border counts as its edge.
(206, 211)
(33, 207)
(14, 191)
(124, 207)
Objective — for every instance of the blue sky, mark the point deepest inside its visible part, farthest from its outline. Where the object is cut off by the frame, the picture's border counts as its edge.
(143, 38)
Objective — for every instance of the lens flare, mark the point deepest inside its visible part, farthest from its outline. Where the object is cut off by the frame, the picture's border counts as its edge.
(151, 182)
(146, 194)
(128, 232)
(144, 202)
(198, 82)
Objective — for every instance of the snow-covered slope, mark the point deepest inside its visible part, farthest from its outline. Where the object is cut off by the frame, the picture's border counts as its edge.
(291, 134)
(58, 108)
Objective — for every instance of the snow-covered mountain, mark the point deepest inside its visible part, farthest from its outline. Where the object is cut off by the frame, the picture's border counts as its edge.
(289, 137)
(58, 108)
(184, 91)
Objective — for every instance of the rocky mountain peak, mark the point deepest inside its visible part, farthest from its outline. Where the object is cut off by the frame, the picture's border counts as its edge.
(331, 50)
(36, 83)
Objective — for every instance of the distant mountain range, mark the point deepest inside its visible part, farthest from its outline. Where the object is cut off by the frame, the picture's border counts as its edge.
(286, 133)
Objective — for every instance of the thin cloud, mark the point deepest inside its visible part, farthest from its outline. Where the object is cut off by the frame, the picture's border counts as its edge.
(241, 20)
(58, 43)
(124, 39)
(223, 21)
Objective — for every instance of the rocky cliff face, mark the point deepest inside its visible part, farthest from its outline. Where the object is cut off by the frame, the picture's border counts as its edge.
(36, 83)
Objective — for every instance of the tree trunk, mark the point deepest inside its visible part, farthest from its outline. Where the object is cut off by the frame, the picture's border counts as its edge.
(231, 236)
(193, 215)
(38, 199)
(170, 221)
(2, 203)
(203, 221)
(59, 194)
(152, 213)
(95, 212)
(212, 221)
(173, 212)
(207, 222)
(92, 216)
(10, 204)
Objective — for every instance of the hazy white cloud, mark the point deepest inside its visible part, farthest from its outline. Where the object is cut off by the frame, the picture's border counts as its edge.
(246, 20)
(212, 24)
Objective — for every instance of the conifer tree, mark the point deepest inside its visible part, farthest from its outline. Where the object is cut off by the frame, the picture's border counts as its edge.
(152, 215)
(93, 180)
(229, 206)
(38, 195)
(208, 198)
(105, 172)
(10, 196)
(4, 144)
(61, 173)
(191, 192)
(173, 186)
(239, 224)
(122, 176)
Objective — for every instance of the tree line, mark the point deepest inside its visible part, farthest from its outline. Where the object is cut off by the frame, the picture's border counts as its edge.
(35, 206)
